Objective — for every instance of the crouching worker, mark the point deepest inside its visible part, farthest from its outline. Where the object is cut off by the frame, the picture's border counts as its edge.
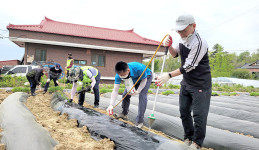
(130, 73)
(54, 74)
(93, 76)
(86, 74)
(34, 77)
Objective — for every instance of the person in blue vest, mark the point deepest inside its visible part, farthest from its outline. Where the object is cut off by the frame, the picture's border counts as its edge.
(130, 72)
(87, 74)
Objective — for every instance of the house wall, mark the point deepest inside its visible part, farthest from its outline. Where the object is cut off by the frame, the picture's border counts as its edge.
(9, 62)
(59, 54)
(254, 70)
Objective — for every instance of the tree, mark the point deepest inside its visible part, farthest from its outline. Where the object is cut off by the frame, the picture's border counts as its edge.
(172, 64)
(220, 62)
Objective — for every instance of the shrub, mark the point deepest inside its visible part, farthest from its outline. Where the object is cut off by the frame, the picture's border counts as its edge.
(21, 89)
(121, 90)
(69, 86)
(9, 81)
(107, 86)
(172, 86)
(214, 94)
(229, 94)
(153, 86)
(122, 85)
(254, 94)
(242, 73)
(103, 90)
(62, 80)
(167, 92)
(55, 89)
(150, 91)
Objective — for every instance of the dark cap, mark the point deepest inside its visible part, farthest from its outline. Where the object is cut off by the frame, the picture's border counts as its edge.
(69, 54)
(57, 66)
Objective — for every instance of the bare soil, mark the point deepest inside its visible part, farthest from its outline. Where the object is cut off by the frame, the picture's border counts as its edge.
(65, 131)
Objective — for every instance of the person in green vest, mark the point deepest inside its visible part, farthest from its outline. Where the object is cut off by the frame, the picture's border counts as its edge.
(70, 63)
(87, 74)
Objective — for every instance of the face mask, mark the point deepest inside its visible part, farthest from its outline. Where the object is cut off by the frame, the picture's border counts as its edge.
(186, 38)
(125, 77)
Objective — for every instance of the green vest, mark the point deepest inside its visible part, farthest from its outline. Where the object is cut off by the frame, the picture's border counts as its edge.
(68, 63)
(84, 69)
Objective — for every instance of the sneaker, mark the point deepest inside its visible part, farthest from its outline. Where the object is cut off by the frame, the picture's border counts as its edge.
(195, 146)
(96, 106)
(187, 142)
(122, 116)
(44, 92)
(33, 94)
(70, 100)
(139, 125)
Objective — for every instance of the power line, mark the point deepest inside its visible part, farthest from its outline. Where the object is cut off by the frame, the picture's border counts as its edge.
(230, 19)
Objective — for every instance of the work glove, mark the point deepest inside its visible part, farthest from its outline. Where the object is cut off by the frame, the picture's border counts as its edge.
(136, 92)
(168, 41)
(110, 110)
(162, 79)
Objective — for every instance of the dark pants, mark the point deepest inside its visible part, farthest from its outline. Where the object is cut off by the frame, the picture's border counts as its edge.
(33, 85)
(96, 92)
(47, 83)
(198, 101)
(67, 77)
(142, 101)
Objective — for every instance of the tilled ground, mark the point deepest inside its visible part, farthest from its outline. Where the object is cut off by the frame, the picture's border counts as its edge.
(65, 131)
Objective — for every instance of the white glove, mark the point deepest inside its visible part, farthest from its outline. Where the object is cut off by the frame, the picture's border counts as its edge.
(162, 79)
(57, 82)
(110, 110)
(135, 93)
(48, 80)
(168, 41)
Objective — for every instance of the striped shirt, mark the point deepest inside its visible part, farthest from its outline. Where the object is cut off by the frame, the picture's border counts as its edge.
(194, 61)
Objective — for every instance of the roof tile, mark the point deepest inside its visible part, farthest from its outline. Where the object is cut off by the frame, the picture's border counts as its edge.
(50, 26)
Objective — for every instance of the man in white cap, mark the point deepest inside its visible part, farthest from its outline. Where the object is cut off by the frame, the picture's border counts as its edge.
(195, 90)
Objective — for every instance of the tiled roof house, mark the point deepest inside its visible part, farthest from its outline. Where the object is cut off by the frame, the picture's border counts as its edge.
(100, 47)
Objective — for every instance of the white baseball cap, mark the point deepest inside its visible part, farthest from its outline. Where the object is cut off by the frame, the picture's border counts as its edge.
(183, 21)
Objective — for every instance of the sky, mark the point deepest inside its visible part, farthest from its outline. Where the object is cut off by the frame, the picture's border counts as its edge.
(234, 24)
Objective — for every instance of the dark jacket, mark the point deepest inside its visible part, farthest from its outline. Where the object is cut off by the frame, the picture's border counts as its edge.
(53, 73)
(35, 74)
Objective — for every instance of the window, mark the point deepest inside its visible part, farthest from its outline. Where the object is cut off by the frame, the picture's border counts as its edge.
(40, 55)
(80, 62)
(19, 70)
(98, 60)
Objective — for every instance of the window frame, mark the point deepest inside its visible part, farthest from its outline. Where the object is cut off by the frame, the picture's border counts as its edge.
(96, 56)
(80, 63)
(41, 50)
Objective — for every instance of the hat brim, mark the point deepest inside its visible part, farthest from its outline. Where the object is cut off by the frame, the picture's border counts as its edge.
(180, 27)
